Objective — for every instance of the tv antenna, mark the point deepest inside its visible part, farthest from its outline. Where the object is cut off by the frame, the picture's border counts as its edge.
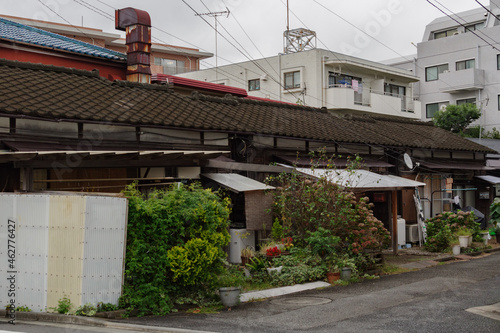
(214, 15)
(297, 40)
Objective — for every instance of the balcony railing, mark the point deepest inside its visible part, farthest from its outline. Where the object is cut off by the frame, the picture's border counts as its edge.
(369, 100)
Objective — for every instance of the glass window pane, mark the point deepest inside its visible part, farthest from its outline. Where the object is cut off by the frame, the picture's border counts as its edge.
(296, 79)
(431, 73)
(288, 80)
(431, 109)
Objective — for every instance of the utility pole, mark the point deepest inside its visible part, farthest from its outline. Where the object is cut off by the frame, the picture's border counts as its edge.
(214, 15)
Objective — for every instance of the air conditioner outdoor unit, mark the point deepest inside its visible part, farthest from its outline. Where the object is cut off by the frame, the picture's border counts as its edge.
(412, 233)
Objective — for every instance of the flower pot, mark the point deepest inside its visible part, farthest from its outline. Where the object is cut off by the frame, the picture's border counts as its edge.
(245, 260)
(229, 296)
(332, 276)
(464, 241)
(486, 237)
(274, 270)
(346, 273)
(456, 249)
(270, 257)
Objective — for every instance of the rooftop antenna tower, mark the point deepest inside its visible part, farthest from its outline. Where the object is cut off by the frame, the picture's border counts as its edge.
(297, 40)
(214, 15)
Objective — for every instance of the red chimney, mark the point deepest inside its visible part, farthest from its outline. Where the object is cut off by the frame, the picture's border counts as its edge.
(137, 25)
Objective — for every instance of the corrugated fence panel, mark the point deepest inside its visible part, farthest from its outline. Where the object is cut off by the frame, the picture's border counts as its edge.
(66, 237)
(6, 213)
(32, 252)
(105, 227)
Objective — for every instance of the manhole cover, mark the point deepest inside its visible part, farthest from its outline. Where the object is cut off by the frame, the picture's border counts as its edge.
(304, 301)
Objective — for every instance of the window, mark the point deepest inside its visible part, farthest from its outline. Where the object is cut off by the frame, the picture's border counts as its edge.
(474, 27)
(499, 102)
(170, 66)
(446, 33)
(432, 73)
(394, 90)
(466, 101)
(253, 84)
(498, 61)
(292, 80)
(465, 64)
(431, 109)
(338, 79)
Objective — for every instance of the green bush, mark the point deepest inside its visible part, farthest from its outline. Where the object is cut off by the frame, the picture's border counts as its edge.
(324, 215)
(88, 310)
(63, 305)
(442, 228)
(174, 244)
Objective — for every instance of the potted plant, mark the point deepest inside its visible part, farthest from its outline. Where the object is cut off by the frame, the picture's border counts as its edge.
(229, 283)
(463, 236)
(346, 265)
(246, 254)
(286, 245)
(273, 252)
(485, 235)
(333, 271)
(455, 245)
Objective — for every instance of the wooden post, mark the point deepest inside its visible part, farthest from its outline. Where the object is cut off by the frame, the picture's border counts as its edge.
(394, 202)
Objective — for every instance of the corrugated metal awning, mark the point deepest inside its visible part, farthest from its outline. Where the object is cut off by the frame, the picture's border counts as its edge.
(362, 179)
(237, 183)
(490, 179)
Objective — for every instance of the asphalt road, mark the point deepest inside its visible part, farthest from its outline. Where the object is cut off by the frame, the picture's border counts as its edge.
(430, 300)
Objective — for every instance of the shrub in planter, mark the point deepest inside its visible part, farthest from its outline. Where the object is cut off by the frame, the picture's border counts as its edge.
(442, 227)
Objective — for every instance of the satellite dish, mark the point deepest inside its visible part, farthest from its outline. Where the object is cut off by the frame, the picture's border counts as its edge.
(408, 161)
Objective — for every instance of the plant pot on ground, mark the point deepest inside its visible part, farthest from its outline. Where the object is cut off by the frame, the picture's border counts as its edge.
(463, 235)
(332, 277)
(246, 254)
(230, 283)
(345, 274)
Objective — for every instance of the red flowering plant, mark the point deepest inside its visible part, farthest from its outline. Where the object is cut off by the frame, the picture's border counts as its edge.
(273, 252)
(307, 204)
(287, 243)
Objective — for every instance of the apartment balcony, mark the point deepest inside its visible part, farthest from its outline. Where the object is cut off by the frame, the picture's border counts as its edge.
(369, 101)
(461, 81)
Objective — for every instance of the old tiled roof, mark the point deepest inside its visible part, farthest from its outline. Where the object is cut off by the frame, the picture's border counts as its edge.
(21, 33)
(67, 94)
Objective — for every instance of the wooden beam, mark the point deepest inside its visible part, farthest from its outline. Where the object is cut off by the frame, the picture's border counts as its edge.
(246, 166)
(394, 204)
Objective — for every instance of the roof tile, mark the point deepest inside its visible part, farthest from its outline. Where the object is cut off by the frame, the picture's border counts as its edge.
(60, 93)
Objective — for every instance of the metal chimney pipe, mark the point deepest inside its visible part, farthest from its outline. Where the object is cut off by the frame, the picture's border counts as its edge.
(137, 25)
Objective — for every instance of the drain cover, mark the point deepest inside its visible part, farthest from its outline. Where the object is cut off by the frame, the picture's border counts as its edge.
(304, 301)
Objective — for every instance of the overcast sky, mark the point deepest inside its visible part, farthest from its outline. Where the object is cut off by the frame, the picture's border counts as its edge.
(339, 24)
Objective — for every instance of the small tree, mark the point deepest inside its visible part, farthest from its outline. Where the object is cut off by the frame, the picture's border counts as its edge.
(456, 118)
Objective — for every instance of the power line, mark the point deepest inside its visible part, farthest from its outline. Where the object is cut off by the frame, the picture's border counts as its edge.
(488, 10)
(472, 31)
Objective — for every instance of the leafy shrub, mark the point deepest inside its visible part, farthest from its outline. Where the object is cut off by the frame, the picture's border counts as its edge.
(299, 267)
(88, 310)
(63, 305)
(174, 245)
(443, 227)
(324, 215)
(105, 307)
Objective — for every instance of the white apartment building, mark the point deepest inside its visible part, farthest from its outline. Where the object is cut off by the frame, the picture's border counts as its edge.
(322, 78)
(458, 61)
